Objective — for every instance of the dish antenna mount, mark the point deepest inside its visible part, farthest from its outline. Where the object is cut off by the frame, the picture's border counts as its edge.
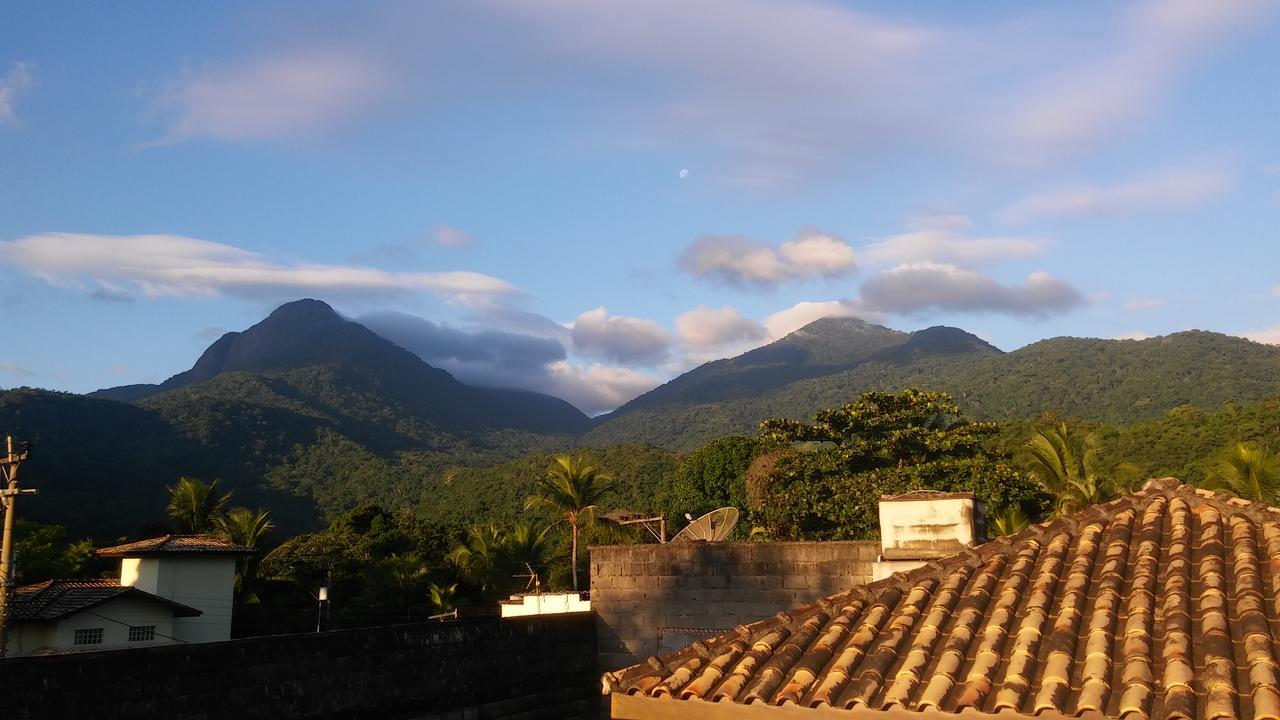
(712, 527)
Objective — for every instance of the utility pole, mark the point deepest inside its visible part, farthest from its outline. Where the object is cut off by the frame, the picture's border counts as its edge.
(9, 473)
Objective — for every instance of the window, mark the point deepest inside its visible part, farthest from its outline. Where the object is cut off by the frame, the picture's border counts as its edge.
(142, 633)
(88, 636)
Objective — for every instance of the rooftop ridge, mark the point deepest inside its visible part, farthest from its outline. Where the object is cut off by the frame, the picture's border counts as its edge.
(842, 650)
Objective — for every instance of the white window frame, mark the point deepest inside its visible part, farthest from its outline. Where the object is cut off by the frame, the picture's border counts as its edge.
(87, 636)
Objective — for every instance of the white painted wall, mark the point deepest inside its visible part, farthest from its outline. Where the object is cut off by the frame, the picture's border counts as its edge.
(114, 617)
(544, 604)
(927, 528)
(206, 583)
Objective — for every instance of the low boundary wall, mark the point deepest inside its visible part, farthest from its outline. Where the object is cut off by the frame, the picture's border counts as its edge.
(535, 667)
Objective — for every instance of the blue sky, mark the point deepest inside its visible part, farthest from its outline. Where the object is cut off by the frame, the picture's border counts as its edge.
(587, 198)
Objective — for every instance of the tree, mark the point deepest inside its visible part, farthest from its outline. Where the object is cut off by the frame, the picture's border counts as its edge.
(42, 552)
(246, 528)
(827, 482)
(1071, 467)
(573, 489)
(524, 548)
(713, 476)
(1249, 472)
(479, 557)
(193, 504)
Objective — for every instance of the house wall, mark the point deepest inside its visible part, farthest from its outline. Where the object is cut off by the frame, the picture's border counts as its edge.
(544, 604)
(532, 668)
(206, 583)
(114, 617)
(651, 599)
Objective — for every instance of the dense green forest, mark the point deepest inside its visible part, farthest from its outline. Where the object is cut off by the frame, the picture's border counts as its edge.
(1112, 381)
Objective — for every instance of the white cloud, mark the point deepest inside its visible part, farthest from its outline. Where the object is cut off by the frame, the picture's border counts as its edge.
(277, 96)
(1138, 303)
(12, 369)
(739, 260)
(1268, 336)
(706, 327)
(924, 288)
(173, 265)
(450, 237)
(1171, 190)
(1109, 87)
(942, 246)
(789, 320)
(597, 388)
(620, 338)
(1132, 336)
(13, 85)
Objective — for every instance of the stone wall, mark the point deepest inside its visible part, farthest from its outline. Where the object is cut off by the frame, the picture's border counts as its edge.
(650, 599)
(537, 667)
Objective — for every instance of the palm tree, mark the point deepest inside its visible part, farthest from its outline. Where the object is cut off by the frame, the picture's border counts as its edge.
(245, 528)
(479, 557)
(1070, 467)
(193, 505)
(1248, 471)
(441, 597)
(525, 548)
(571, 488)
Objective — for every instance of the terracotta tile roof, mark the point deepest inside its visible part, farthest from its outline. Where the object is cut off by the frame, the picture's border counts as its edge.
(55, 599)
(1164, 603)
(175, 544)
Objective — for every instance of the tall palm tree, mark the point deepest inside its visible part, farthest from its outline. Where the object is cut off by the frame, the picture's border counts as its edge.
(1249, 472)
(193, 504)
(243, 527)
(571, 488)
(479, 557)
(1070, 467)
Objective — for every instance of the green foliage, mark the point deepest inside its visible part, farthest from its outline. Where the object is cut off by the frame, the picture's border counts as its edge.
(881, 444)
(1070, 466)
(1248, 471)
(377, 565)
(42, 552)
(194, 505)
(712, 476)
(1007, 521)
(246, 528)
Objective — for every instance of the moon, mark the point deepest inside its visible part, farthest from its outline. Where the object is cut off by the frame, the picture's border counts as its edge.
(684, 173)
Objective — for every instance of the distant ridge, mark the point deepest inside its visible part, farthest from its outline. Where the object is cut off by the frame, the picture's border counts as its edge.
(832, 361)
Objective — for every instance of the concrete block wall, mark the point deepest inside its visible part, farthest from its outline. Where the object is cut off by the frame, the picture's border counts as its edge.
(528, 668)
(650, 599)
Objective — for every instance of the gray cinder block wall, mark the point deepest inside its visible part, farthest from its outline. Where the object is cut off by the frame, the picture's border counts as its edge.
(650, 599)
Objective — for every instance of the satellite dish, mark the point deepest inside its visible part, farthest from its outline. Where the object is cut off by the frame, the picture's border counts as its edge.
(712, 527)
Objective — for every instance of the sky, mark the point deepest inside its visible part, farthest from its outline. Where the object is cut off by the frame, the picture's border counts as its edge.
(588, 198)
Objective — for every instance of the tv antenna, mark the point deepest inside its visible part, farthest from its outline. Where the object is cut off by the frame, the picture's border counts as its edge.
(712, 527)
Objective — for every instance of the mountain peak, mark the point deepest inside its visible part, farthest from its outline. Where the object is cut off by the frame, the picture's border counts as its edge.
(306, 310)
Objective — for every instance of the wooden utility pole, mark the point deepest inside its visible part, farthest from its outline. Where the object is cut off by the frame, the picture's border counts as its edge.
(9, 473)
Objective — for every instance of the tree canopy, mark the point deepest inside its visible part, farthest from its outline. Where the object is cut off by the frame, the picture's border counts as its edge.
(828, 484)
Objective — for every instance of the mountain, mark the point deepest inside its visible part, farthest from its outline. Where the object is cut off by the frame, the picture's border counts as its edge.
(305, 413)
(830, 362)
(308, 334)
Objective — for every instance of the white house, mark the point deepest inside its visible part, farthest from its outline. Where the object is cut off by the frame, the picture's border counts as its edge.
(194, 570)
(76, 615)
